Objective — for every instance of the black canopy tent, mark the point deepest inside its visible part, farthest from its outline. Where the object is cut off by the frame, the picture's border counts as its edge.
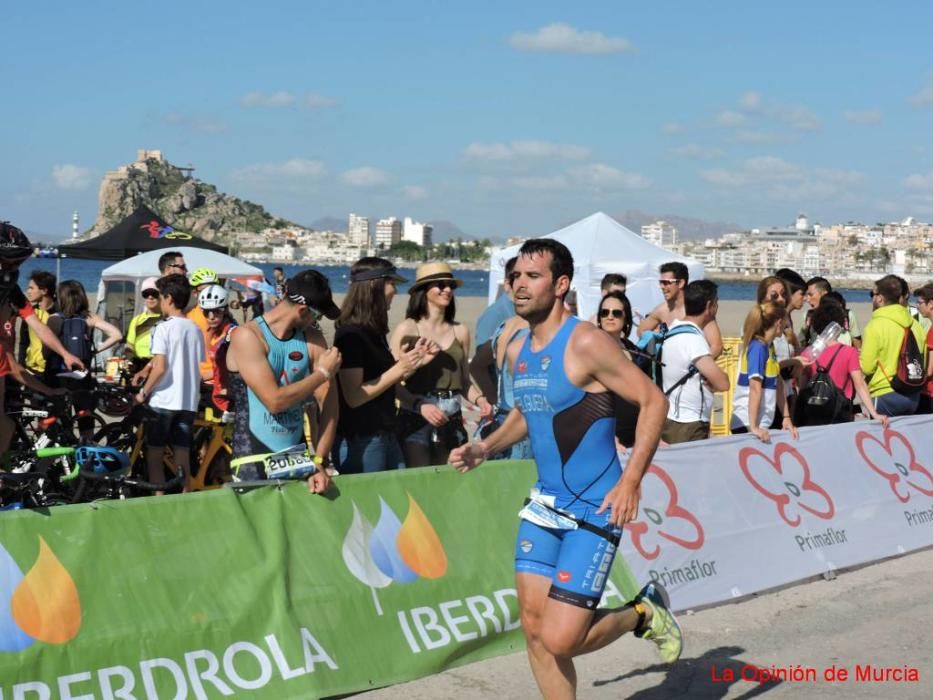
(140, 232)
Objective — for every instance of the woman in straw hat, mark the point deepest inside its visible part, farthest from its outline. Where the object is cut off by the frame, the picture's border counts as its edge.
(431, 422)
(367, 440)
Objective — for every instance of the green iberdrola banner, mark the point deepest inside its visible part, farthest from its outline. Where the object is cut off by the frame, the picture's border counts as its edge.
(270, 593)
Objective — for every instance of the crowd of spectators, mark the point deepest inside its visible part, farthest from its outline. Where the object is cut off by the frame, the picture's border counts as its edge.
(386, 398)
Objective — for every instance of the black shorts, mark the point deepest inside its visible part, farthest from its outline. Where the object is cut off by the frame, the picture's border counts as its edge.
(169, 427)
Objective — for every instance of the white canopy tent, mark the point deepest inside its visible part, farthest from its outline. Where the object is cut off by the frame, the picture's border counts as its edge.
(600, 245)
(119, 292)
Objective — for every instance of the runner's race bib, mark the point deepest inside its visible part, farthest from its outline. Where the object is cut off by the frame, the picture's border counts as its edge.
(540, 510)
(291, 463)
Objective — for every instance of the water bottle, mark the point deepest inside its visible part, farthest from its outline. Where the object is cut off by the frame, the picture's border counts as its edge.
(823, 340)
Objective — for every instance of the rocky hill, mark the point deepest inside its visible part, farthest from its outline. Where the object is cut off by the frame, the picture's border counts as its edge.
(183, 201)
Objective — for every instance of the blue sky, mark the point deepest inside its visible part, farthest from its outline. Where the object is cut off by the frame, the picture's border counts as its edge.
(505, 118)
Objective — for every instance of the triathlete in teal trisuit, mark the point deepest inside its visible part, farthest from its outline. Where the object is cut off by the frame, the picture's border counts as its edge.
(563, 375)
(270, 361)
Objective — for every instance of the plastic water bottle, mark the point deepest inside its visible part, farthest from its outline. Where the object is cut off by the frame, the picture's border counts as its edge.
(823, 340)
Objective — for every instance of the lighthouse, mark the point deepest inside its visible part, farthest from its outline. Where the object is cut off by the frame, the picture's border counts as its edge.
(74, 226)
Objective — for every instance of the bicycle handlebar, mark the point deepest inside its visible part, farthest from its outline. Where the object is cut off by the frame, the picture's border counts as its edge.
(172, 483)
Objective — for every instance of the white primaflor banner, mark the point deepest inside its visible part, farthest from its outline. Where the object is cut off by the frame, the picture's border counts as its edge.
(727, 517)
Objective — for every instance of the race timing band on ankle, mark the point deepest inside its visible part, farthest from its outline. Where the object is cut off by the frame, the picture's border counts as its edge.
(642, 612)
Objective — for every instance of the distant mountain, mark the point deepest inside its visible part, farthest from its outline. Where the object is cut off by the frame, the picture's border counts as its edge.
(688, 229)
(446, 231)
(331, 223)
(187, 203)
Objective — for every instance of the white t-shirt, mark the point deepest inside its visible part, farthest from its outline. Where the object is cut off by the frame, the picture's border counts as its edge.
(182, 343)
(692, 401)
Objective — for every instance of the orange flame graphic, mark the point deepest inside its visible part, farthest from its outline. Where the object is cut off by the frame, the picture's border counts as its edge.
(418, 544)
(45, 605)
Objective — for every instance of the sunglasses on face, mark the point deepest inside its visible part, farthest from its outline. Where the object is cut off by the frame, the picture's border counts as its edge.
(872, 294)
(442, 285)
(615, 313)
(150, 295)
(179, 267)
(215, 312)
(665, 283)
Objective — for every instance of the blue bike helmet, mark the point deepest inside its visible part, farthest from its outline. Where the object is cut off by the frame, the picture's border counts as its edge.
(102, 460)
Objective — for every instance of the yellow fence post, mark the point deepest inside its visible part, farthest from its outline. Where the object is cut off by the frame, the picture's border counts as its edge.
(721, 416)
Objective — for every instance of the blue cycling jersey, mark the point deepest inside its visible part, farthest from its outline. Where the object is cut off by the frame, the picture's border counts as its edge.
(572, 431)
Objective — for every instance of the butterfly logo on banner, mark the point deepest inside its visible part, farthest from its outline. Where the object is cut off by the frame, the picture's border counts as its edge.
(662, 518)
(894, 460)
(785, 479)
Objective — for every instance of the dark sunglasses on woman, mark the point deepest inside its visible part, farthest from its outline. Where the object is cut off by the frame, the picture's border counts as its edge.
(616, 313)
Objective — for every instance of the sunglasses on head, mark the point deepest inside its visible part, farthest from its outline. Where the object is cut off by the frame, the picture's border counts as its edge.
(615, 313)
(150, 294)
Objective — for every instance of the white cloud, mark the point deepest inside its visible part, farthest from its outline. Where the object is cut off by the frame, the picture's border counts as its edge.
(692, 151)
(750, 102)
(672, 128)
(525, 150)
(313, 100)
(72, 177)
(754, 136)
(290, 170)
(920, 182)
(194, 122)
(730, 118)
(415, 192)
(365, 176)
(563, 38)
(778, 179)
(753, 106)
(268, 99)
(864, 117)
(285, 99)
(923, 98)
(602, 176)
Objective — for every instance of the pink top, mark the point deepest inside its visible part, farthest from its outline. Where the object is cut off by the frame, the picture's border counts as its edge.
(929, 389)
(845, 363)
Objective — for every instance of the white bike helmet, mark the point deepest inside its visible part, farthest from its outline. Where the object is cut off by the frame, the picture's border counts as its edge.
(213, 297)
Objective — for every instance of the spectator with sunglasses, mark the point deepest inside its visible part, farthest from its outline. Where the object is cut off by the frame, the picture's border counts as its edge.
(139, 333)
(431, 421)
(674, 277)
(172, 263)
(615, 317)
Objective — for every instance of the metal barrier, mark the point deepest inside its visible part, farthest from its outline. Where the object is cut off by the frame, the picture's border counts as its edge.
(721, 416)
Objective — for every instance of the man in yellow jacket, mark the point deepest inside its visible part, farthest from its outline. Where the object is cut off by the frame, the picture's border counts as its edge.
(881, 347)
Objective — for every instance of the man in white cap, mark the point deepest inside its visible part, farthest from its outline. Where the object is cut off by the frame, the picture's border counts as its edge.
(141, 325)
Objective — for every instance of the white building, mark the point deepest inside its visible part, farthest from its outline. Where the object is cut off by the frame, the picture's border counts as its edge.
(660, 233)
(284, 253)
(417, 232)
(388, 232)
(358, 230)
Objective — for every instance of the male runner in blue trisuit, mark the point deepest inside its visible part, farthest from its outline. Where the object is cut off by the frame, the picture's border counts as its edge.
(564, 374)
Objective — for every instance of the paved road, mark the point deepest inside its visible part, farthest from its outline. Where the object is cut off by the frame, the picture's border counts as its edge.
(880, 615)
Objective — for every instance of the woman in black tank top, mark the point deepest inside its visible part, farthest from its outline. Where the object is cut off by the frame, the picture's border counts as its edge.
(430, 420)
(615, 317)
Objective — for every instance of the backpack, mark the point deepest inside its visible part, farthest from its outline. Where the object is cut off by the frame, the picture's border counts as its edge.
(75, 335)
(651, 347)
(821, 402)
(910, 376)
